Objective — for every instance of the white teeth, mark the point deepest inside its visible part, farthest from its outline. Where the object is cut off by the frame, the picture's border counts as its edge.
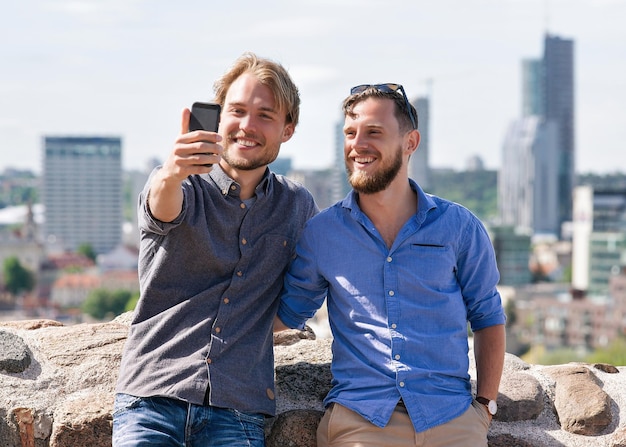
(246, 143)
(364, 159)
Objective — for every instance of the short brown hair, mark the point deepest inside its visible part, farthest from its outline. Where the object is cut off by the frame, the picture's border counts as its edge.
(400, 109)
(269, 73)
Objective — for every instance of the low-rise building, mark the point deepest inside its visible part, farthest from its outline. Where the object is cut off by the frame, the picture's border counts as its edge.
(512, 248)
(555, 316)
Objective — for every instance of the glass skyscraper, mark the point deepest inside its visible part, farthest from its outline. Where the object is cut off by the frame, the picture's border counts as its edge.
(536, 191)
(419, 165)
(82, 192)
(558, 61)
(527, 184)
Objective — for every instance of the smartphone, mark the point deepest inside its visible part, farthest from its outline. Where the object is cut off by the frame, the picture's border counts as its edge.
(204, 116)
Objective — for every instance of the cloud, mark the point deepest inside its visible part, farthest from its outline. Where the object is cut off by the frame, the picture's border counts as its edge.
(291, 27)
(312, 74)
(96, 11)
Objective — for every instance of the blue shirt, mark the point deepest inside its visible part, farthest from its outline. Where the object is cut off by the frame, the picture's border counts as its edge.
(398, 316)
(210, 282)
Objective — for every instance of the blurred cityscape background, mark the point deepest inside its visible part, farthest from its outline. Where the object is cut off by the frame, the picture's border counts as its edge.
(69, 240)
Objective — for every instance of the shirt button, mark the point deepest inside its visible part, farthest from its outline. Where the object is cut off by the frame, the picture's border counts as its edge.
(239, 273)
(244, 241)
(233, 187)
(218, 330)
(389, 259)
(270, 393)
(397, 357)
(242, 205)
(226, 301)
(391, 293)
(394, 325)
(402, 384)
(208, 361)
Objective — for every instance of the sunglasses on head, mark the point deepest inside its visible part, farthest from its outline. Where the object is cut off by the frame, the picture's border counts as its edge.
(388, 88)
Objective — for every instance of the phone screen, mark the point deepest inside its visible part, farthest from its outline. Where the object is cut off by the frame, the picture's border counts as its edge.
(204, 116)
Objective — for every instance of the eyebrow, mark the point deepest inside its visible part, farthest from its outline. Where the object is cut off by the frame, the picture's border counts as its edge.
(367, 126)
(263, 108)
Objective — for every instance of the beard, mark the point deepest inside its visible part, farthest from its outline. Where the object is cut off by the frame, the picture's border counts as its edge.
(264, 158)
(365, 183)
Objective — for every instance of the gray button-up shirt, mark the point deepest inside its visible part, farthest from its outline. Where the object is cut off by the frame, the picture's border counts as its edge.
(209, 292)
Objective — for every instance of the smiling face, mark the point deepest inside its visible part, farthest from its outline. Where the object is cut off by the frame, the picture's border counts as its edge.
(374, 147)
(251, 126)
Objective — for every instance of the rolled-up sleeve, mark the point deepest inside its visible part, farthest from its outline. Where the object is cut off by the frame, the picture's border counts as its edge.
(478, 277)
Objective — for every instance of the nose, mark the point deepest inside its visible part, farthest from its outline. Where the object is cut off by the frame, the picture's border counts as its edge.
(356, 141)
(247, 123)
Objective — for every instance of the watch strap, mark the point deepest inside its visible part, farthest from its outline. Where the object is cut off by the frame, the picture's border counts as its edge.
(482, 400)
(492, 406)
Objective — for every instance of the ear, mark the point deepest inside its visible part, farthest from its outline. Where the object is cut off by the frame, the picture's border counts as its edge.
(288, 132)
(413, 141)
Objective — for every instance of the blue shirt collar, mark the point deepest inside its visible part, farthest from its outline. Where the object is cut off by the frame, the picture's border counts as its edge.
(425, 202)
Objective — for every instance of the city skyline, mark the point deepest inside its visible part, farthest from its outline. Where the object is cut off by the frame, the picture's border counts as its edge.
(127, 68)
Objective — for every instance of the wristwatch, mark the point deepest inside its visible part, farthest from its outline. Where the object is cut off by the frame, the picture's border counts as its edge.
(491, 405)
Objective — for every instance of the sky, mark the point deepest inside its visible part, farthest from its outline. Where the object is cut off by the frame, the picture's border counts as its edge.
(128, 67)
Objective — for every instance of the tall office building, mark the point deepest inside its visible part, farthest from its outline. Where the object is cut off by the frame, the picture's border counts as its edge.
(82, 192)
(527, 184)
(545, 143)
(532, 88)
(548, 92)
(419, 169)
(339, 179)
(558, 60)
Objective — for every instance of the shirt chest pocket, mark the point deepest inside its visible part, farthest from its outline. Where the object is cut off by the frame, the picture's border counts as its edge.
(434, 267)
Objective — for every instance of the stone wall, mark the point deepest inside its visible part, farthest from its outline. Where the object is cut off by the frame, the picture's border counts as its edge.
(57, 382)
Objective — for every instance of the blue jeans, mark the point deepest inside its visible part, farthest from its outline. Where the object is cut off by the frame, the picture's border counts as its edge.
(160, 421)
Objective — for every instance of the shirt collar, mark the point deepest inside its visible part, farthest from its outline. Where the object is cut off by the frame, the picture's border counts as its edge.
(227, 185)
(425, 201)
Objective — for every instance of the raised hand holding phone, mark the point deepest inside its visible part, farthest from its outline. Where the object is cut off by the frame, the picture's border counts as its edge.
(191, 152)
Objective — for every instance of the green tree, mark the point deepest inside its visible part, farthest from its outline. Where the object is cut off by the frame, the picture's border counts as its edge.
(86, 250)
(614, 353)
(132, 302)
(476, 190)
(102, 303)
(17, 278)
(539, 355)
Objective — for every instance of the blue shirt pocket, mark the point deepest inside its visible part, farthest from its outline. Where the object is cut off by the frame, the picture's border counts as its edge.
(435, 267)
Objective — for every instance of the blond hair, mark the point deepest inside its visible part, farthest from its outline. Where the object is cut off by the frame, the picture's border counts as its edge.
(269, 73)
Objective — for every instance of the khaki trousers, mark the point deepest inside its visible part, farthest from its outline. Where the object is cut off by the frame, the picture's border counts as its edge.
(341, 427)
